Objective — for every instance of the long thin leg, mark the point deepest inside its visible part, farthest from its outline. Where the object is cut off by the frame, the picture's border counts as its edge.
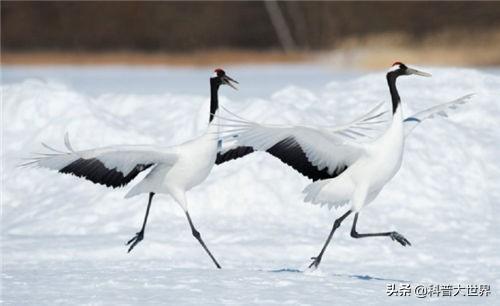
(140, 235)
(197, 235)
(336, 224)
(395, 236)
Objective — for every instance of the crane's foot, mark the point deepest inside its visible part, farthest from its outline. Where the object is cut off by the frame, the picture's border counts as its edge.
(395, 236)
(315, 263)
(134, 241)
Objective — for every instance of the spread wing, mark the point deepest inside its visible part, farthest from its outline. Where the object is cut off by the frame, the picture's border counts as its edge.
(439, 110)
(316, 152)
(113, 166)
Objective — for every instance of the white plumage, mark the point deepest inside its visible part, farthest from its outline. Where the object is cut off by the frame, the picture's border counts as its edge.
(358, 167)
(172, 170)
(369, 162)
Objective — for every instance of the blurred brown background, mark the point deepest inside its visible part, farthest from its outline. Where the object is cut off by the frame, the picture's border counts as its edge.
(458, 33)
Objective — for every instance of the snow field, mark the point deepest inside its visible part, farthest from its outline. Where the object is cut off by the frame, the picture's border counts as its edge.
(63, 237)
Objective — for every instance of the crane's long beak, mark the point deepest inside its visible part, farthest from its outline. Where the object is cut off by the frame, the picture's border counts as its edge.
(418, 72)
(227, 80)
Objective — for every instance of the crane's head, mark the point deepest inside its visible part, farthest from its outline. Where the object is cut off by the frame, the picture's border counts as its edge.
(399, 68)
(220, 78)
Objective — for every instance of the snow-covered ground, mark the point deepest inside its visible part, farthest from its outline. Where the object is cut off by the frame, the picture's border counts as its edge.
(63, 237)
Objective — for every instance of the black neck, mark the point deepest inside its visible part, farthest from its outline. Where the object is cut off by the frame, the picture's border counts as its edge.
(214, 98)
(391, 80)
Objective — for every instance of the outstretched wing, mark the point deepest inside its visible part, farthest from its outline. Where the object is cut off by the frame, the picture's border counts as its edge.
(441, 110)
(113, 166)
(288, 151)
(316, 152)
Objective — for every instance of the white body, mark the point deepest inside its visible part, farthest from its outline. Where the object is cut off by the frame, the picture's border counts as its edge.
(370, 164)
(195, 159)
(361, 182)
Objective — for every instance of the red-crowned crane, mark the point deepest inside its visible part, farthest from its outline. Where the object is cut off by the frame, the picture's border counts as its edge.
(173, 170)
(344, 166)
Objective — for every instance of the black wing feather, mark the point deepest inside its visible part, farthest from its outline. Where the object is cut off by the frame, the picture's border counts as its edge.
(94, 170)
(290, 152)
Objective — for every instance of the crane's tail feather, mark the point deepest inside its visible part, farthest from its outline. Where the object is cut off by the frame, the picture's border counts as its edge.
(316, 195)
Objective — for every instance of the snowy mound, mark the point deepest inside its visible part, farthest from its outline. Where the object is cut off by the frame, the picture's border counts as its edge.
(249, 211)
